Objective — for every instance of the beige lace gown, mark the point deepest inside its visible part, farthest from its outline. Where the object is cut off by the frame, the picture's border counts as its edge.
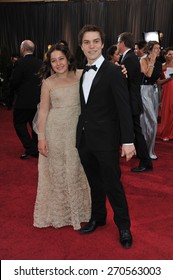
(63, 195)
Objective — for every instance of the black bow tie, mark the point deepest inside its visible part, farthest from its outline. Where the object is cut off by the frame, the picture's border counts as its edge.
(88, 67)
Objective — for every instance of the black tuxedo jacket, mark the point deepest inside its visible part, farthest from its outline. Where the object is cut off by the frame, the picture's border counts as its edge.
(106, 118)
(132, 65)
(26, 83)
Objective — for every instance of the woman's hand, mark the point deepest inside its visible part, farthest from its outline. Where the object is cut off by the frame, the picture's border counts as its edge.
(43, 147)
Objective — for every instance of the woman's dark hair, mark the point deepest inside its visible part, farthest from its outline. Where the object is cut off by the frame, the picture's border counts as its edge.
(150, 45)
(166, 50)
(45, 70)
(62, 42)
(110, 51)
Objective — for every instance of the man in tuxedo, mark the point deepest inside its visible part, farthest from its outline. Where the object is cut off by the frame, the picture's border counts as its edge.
(140, 49)
(125, 46)
(104, 124)
(26, 83)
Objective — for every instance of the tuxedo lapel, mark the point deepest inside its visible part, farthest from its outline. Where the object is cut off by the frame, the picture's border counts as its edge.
(126, 55)
(97, 78)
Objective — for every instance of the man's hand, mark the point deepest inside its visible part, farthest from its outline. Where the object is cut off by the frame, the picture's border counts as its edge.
(128, 151)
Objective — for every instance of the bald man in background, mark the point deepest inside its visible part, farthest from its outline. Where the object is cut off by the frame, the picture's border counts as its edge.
(26, 83)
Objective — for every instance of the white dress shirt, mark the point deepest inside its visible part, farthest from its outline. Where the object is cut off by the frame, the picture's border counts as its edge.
(89, 77)
(124, 54)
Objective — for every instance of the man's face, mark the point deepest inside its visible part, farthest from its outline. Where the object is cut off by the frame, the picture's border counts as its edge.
(136, 50)
(120, 45)
(92, 46)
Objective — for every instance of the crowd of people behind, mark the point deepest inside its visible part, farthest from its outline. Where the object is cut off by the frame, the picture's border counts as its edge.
(158, 102)
(85, 116)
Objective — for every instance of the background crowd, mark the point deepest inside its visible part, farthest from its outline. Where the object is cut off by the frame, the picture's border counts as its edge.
(162, 84)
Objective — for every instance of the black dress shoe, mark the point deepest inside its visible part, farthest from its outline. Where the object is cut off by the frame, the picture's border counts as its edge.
(26, 155)
(91, 226)
(141, 168)
(125, 238)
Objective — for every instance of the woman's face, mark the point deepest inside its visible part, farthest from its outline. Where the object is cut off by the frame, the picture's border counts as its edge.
(156, 50)
(59, 62)
(169, 55)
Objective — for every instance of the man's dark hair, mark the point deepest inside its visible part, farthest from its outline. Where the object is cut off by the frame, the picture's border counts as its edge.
(128, 39)
(141, 44)
(88, 28)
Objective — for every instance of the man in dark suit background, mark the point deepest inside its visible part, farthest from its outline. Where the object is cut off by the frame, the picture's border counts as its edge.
(105, 123)
(26, 83)
(125, 46)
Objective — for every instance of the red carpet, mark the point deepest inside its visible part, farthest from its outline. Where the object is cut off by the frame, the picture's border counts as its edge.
(150, 197)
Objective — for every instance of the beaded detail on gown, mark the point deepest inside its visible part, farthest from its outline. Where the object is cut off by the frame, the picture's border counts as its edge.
(63, 194)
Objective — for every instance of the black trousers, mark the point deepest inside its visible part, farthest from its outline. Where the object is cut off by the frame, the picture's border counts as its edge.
(140, 143)
(103, 173)
(29, 139)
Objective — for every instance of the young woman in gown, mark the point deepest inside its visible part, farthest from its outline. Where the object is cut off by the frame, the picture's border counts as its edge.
(63, 195)
(166, 113)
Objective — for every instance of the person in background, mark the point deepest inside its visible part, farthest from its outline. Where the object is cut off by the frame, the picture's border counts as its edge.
(45, 54)
(166, 82)
(125, 46)
(105, 122)
(63, 194)
(112, 54)
(140, 49)
(151, 70)
(10, 68)
(26, 84)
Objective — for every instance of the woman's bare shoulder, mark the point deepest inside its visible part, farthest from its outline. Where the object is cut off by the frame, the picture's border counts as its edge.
(144, 59)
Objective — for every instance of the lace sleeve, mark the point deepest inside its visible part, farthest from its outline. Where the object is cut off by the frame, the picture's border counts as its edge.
(35, 120)
(43, 110)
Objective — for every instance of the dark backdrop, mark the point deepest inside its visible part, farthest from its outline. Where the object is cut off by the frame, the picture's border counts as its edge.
(47, 22)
